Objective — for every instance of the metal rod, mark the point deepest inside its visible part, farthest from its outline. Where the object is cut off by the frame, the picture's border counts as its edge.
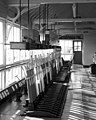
(20, 20)
(39, 16)
(47, 15)
(43, 22)
(28, 20)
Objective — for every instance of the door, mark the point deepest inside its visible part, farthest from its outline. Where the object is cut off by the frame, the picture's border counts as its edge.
(77, 50)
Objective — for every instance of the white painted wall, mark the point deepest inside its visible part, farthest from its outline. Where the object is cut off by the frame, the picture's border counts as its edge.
(3, 8)
(89, 47)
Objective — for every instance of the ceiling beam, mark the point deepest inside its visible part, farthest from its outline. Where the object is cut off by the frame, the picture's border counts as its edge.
(72, 27)
(25, 2)
(62, 32)
(66, 20)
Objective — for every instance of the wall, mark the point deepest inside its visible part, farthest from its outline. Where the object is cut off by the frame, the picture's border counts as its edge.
(3, 8)
(89, 46)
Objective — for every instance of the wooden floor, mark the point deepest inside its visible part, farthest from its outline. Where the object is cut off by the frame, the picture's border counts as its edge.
(80, 103)
(81, 99)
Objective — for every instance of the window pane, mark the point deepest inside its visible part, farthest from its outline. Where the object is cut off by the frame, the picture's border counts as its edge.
(9, 34)
(79, 44)
(15, 73)
(75, 48)
(1, 54)
(13, 34)
(16, 34)
(70, 50)
(27, 56)
(22, 55)
(75, 44)
(66, 43)
(9, 55)
(2, 80)
(9, 78)
(16, 55)
(70, 43)
(23, 72)
(19, 72)
(79, 48)
(1, 32)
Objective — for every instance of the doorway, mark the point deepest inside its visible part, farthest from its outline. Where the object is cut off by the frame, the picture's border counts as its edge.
(77, 50)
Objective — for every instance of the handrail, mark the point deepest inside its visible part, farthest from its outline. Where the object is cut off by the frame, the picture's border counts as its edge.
(14, 65)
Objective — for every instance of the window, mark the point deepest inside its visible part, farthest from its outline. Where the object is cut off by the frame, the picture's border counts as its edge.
(8, 76)
(67, 49)
(77, 45)
(14, 74)
(13, 35)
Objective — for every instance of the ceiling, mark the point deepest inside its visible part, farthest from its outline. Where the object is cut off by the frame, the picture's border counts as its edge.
(65, 16)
